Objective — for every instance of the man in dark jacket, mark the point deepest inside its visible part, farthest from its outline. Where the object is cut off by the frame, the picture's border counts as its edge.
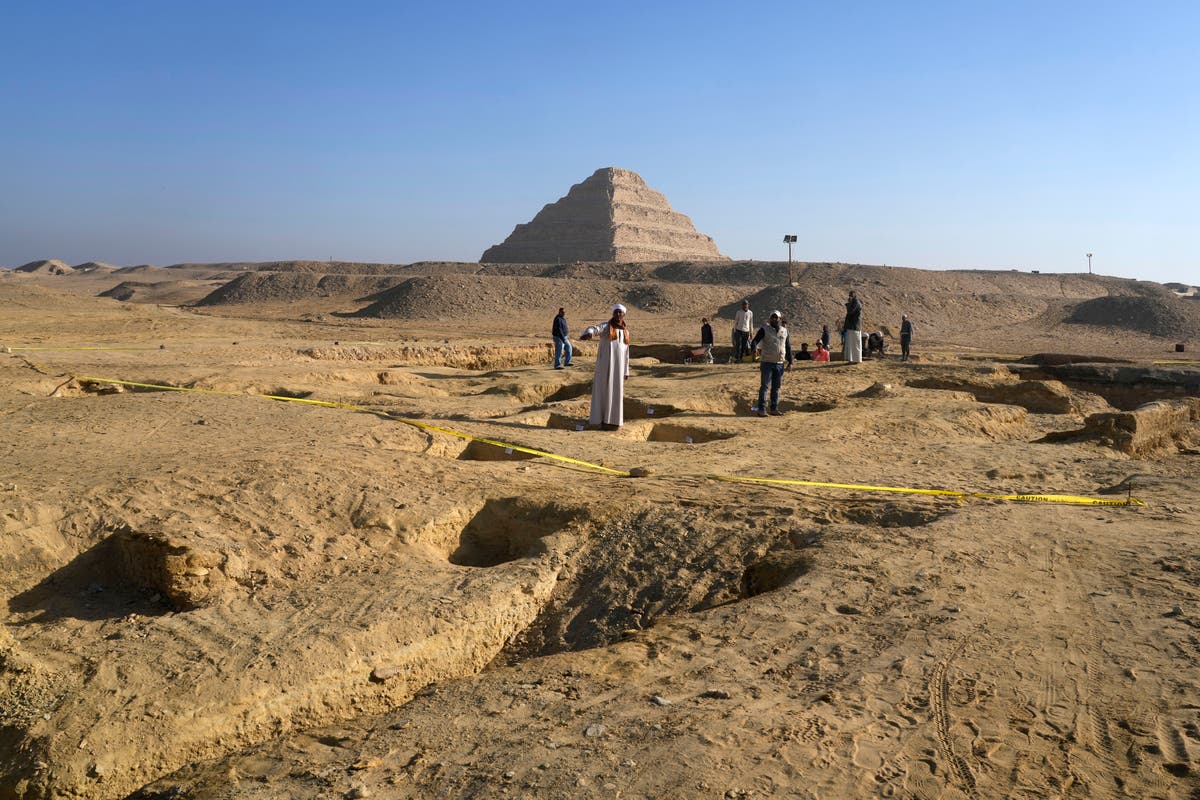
(906, 334)
(562, 341)
(852, 328)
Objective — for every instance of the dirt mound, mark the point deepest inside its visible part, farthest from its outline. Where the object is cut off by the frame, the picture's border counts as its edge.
(332, 267)
(125, 290)
(285, 287)
(449, 296)
(95, 266)
(45, 266)
(1152, 309)
(446, 296)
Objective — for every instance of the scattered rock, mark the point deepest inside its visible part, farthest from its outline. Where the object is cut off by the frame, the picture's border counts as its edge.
(659, 700)
(640, 472)
(846, 609)
(383, 672)
(1176, 611)
(716, 694)
(595, 730)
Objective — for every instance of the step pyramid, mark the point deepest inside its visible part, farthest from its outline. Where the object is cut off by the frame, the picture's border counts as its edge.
(611, 216)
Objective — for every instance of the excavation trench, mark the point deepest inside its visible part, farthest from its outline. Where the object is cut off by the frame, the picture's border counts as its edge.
(494, 581)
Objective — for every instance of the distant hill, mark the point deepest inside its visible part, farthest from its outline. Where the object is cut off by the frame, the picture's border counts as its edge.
(45, 266)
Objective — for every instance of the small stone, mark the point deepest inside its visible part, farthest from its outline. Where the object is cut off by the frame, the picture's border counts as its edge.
(659, 700)
(509, 775)
(201, 422)
(640, 472)
(845, 609)
(357, 792)
(629, 762)
(716, 694)
(383, 672)
(1176, 611)
(594, 730)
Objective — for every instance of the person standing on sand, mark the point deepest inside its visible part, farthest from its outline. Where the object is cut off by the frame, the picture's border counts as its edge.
(825, 336)
(776, 351)
(906, 334)
(706, 339)
(743, 323)
(612, 368)
(852, 330)
(562, 341)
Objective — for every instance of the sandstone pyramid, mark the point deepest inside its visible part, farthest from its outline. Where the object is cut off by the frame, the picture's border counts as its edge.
(611, 216)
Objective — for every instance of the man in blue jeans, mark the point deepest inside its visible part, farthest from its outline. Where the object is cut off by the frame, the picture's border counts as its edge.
(562, 342)
(775, 358)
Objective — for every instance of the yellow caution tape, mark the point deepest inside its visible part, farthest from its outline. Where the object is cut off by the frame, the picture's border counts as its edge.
(350, 407)
(1165, 363)
(1023, 498)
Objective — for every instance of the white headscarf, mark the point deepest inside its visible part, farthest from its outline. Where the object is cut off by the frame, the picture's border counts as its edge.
(619, 307)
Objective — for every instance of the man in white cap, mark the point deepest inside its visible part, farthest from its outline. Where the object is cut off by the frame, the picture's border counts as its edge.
(612, 368)
(774, 359)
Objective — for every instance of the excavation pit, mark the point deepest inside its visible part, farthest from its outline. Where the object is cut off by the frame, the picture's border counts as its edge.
(485, 451)
(890, 515)
(774, 571)
(684, 434)
(508, 529)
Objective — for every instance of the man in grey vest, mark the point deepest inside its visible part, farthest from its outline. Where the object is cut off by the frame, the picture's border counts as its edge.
(775, 358)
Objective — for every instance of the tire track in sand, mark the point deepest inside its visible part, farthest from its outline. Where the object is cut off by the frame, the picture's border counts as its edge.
(939, 702)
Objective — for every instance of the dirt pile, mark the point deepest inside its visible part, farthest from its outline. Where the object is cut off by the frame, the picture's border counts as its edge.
(1150, 309)
(444, 297)
(291, 287)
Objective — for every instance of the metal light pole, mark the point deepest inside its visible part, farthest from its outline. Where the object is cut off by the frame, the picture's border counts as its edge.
(1089, 255)
(789, 239)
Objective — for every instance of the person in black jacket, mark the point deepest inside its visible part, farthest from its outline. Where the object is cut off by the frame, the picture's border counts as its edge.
(562, 341)
(852, 330)
(906, 334)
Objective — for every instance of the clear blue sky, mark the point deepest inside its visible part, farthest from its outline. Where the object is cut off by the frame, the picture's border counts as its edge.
(933, 134)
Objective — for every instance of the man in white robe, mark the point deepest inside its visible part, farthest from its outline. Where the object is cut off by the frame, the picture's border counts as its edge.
(612, 368)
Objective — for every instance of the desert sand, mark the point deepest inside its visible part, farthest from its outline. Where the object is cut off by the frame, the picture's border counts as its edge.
(213, 594)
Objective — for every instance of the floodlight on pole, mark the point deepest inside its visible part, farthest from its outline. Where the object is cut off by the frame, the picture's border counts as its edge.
(789, 239)
(1089, 255)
